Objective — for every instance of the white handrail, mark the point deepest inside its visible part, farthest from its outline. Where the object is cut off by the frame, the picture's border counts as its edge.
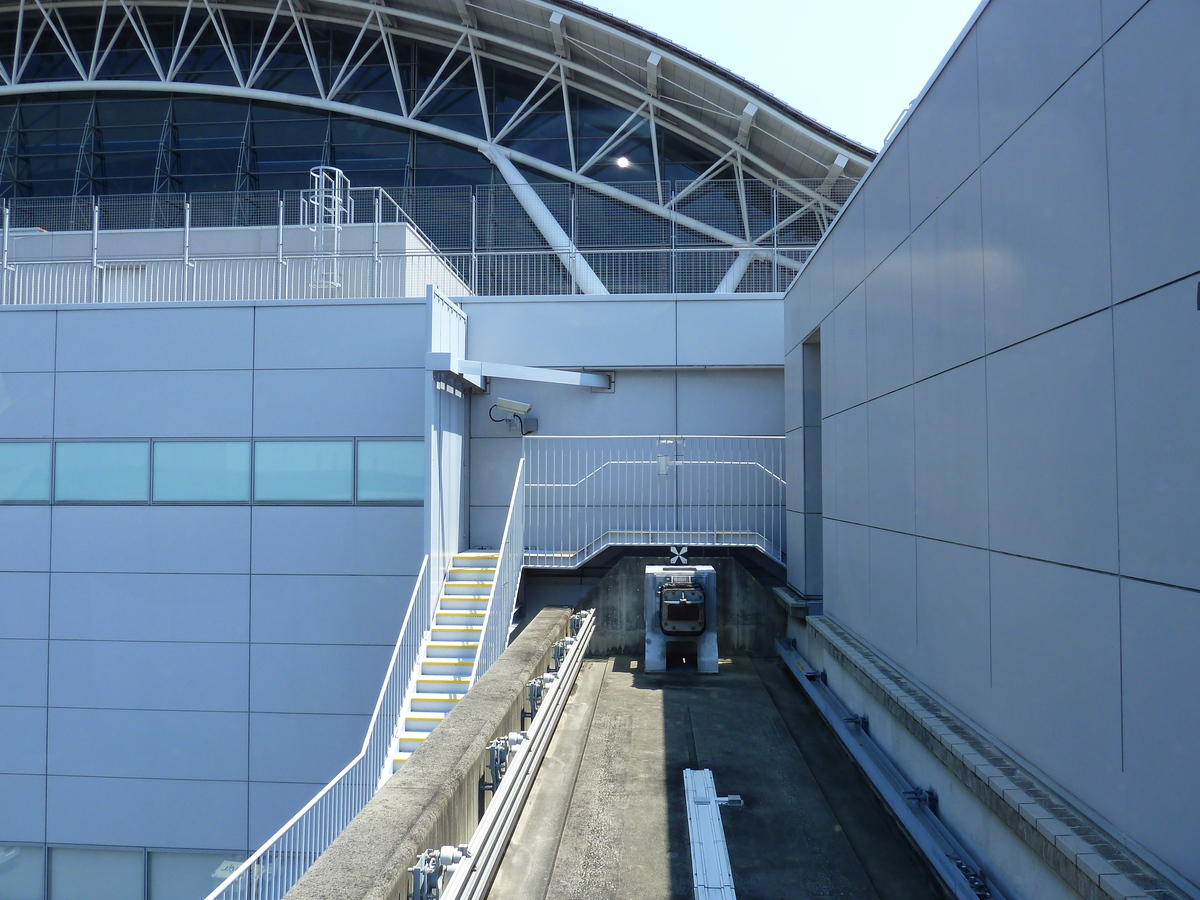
(585, 494)
(506, 581)
(272, 869)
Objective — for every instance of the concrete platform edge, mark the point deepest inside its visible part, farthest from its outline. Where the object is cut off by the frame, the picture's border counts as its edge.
(1092, 862)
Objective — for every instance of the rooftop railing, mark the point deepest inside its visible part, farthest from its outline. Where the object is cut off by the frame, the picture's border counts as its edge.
(586, 494)
(485, 243)
(396, 274)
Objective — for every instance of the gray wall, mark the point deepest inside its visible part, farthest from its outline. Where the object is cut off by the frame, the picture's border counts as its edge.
(1008, 391)
(188, 676)
(684, 365)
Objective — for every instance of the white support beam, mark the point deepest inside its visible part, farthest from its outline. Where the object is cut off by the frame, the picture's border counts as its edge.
(559, 34)
(736, 272)
(652, 65)
(465, 15)
(475, 371)
(834, 173)
(560, 242)
(747, 120)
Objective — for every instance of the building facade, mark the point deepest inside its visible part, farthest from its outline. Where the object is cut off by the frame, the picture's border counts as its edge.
(215, 407)
(992, 383)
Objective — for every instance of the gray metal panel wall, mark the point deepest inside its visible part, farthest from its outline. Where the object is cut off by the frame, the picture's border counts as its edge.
(221, 660)
(1008, 402)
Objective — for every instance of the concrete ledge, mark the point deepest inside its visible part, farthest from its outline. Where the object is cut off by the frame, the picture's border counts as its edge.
(434, 799)
(1093, 863)
(796, 604)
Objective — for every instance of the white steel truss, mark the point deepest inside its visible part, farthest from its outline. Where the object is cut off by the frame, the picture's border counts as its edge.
(659, 90)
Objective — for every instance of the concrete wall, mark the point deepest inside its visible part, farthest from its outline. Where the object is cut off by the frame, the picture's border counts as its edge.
(188, 676)
(1007, 326)
(434, 800)
(749, 620)
(684, 364)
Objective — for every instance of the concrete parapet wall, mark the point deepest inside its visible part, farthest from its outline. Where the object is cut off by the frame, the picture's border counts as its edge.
(1005, 812)
(748, 618)
(434, 799)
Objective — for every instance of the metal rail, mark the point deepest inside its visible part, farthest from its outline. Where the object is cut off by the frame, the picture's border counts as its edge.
(712, 876)
(289, 276)
(912, 806)
(272, 869)
(585, 494)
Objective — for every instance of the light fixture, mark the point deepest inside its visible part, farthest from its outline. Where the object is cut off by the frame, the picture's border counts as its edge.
(623, 162)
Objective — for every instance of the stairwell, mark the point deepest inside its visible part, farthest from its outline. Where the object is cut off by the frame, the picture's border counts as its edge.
(449, 650)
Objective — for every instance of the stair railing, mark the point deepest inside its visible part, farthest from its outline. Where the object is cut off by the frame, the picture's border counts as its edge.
(506, 582)
(271, 870)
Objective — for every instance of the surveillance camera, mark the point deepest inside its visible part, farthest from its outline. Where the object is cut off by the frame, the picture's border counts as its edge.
(513, 406)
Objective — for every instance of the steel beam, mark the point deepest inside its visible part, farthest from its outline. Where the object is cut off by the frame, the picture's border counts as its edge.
(560, 242)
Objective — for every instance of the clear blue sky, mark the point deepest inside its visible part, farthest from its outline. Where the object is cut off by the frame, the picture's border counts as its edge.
(850, 65)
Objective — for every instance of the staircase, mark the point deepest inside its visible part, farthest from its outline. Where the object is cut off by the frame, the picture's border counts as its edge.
(448, 653)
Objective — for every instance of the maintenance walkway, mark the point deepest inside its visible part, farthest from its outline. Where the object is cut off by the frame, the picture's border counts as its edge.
(606, 817)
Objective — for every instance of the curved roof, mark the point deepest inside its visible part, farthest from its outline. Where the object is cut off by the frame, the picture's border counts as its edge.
(610, 84)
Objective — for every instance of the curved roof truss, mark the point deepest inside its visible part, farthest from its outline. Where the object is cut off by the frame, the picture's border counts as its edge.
(565, 46)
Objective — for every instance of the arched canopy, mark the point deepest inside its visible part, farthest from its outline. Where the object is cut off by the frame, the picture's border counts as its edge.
(423, 91)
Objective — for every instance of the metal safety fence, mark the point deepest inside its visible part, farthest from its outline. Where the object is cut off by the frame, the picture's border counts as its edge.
(402, 274)
(232, 278)
(495, 247)
(585, 494)
(271, 871)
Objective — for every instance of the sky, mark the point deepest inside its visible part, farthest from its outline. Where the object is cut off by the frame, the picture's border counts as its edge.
(852, 66)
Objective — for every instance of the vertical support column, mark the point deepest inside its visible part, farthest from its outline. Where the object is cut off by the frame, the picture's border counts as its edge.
(474, 239)
(279, 253)
(187, 249)
(4, 262)
(95, 251)
(806, 566)
(375, 243)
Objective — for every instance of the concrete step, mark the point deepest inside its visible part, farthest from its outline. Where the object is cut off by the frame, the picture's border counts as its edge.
(443, 684)
(411, 740)
(463, 603)
(466, 573)
(467, 588)
(459, 617)
(466, 634)
(427, 721)
(442, 649)
(443, 703)
(444, 666)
